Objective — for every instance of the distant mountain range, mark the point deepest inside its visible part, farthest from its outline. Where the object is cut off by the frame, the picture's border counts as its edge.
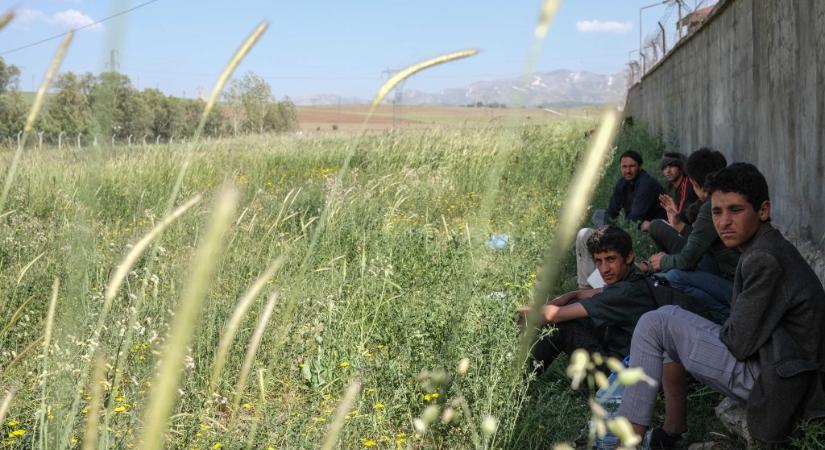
(556, 88)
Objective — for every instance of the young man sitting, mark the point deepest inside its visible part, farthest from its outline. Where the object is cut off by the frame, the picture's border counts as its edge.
(598, 320)
(699, 263)
(636, 193)
(678, 196)
(770, 353)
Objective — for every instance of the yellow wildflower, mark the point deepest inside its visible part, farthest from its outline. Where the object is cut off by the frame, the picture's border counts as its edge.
(217, 446)
(17, 433)
(204, 426)
(368, 442)
(344, 364)
(13, 423)
(378, 406)
(371, 391)
(119, 399)
(122, 408)
(247, 406)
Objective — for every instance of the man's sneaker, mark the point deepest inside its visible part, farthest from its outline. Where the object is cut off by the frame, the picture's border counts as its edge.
(659, 439)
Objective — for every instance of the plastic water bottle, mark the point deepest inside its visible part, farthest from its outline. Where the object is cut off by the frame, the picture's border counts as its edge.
(498, 242)
(610, 399)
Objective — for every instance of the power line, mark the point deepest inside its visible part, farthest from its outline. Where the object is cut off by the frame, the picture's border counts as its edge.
(58, 36)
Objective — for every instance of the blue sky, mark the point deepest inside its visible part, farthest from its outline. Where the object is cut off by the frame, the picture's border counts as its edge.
(324, 46)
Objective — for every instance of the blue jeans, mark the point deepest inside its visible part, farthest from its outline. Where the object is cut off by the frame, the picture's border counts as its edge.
(710, 288)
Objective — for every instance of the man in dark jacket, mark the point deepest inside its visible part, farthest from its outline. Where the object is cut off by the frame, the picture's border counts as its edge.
(636, 192)
(770, 353)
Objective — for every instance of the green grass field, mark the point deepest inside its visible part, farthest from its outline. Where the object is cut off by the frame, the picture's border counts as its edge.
(398, 288)
(399, 285)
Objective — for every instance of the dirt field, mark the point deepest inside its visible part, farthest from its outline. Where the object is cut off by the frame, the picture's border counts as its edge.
(350, 117)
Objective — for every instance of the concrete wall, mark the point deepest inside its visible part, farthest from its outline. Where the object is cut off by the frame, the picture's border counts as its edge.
(751, 83)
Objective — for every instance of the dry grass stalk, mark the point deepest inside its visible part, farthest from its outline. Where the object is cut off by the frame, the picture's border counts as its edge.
(6, 18)
(47, 336)
(34, 112)
(252, 350)
(163, 395)
(412, 70)
(28, 266)
(4, 407)
(131, 258)
(239, 55)
(234, 322)
(580, 193)
(90, 434)
(507, 139)
(340, 413)
(546, 16)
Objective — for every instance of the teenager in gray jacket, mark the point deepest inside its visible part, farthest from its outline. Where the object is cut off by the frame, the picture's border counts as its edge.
(770, 353)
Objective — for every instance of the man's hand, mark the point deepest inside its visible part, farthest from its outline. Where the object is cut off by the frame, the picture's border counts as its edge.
(667, 203)
(655, 261)
(643, 266)
(548, 313)
(524, 311)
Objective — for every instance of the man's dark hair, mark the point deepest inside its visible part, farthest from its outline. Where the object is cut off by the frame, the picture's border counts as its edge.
(740, 178)
(632, 155)
(704, 162)
(610, 237)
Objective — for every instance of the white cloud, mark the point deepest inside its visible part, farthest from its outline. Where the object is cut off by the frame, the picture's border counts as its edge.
(72, 18)
(603, 26)
(69, 19)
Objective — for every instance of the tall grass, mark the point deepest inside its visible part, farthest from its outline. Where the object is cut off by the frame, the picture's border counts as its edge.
(389, 281)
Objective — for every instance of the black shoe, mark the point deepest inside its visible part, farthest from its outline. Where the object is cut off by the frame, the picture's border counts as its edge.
(661, 439)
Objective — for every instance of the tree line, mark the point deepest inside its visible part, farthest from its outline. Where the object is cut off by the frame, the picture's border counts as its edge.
(107, 106)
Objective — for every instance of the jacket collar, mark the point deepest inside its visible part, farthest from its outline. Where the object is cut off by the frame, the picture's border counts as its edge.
(763, 229)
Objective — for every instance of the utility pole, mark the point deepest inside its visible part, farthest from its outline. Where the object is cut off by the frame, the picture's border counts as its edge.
(399, 93)
(114, 64)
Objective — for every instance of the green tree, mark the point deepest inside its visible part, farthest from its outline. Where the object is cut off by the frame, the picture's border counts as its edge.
(69, 110)
(12, 105)
(254, 95)
(281, 116)
(9, 76)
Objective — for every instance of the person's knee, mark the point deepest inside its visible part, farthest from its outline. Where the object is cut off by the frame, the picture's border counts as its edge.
(583, 234)
(652, 322)
(658, 227)
(581, 240)
(676, 277)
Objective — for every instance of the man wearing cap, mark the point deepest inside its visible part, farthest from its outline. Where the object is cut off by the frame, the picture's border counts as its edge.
(679, 196)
